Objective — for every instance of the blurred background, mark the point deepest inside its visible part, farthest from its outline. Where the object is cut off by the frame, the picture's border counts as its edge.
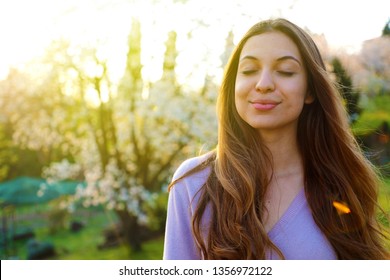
(100, 100)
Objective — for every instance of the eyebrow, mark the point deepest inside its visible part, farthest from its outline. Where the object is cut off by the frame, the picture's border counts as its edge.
(282, 58)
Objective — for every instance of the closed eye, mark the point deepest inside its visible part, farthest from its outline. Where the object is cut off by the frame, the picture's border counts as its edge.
(248, 72)
(286, 73)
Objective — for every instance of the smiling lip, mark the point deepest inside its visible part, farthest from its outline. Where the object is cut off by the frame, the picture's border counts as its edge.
(264, 105)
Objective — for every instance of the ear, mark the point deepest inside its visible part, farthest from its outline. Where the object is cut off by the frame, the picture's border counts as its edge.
(309, 98)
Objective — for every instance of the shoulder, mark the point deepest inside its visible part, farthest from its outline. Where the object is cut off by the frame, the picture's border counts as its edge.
(190, 164)
(190, 184)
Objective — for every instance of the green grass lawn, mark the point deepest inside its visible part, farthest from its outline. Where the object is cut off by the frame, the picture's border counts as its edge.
(83, 245)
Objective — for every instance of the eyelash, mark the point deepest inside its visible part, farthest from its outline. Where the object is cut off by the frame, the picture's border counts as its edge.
(283, 73)
(248, 72)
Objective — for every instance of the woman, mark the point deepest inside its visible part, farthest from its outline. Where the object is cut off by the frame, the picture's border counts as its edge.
(287, 179)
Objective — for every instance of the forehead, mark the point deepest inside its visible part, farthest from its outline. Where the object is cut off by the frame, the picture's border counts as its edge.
(269, 45)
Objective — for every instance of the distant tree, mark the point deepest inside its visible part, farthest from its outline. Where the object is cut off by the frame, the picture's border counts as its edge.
(19, 109)
(7, 157)
(229, 46)
(386, 29)
(351, 96)
(375, 59)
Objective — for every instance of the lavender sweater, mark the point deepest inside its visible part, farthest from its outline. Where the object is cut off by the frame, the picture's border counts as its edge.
(295, 234)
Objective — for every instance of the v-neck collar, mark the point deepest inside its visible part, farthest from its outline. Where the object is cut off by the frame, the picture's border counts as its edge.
(289, 214)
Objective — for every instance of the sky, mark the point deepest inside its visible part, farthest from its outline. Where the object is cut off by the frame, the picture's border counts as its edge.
(27, 27)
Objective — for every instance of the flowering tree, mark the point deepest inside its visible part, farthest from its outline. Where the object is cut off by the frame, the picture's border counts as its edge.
(375, 58)
(20, 107)
(124, 143)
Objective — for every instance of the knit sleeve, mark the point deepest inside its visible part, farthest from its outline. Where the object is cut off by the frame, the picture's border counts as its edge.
(180, 243)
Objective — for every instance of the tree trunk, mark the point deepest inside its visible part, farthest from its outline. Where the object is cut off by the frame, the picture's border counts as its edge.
(131, 230)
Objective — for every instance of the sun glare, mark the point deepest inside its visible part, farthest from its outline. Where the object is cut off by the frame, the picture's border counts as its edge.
(341, 207)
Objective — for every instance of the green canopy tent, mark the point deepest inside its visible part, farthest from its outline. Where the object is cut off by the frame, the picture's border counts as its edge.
(27, 190)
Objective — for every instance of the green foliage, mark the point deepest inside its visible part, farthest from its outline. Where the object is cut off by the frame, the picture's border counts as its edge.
(384, 195)
(7, 153)
(386, 29)
(375, 113)
(384, 202)
(350, 95)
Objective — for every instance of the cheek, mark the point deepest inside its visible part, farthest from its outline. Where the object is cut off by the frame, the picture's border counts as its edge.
(297, 90)
(239, 94)
(240, 102)
(237, 88)
(241, 90)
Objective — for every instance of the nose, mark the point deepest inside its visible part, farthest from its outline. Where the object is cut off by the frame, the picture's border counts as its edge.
(265, 83)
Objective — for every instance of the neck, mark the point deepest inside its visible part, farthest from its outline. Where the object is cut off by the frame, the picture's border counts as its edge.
(285, 154)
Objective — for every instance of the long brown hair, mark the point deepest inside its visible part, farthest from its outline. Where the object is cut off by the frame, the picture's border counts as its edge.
(335, 170)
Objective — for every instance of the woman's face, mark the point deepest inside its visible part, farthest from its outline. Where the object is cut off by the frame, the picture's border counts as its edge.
(271, 84)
